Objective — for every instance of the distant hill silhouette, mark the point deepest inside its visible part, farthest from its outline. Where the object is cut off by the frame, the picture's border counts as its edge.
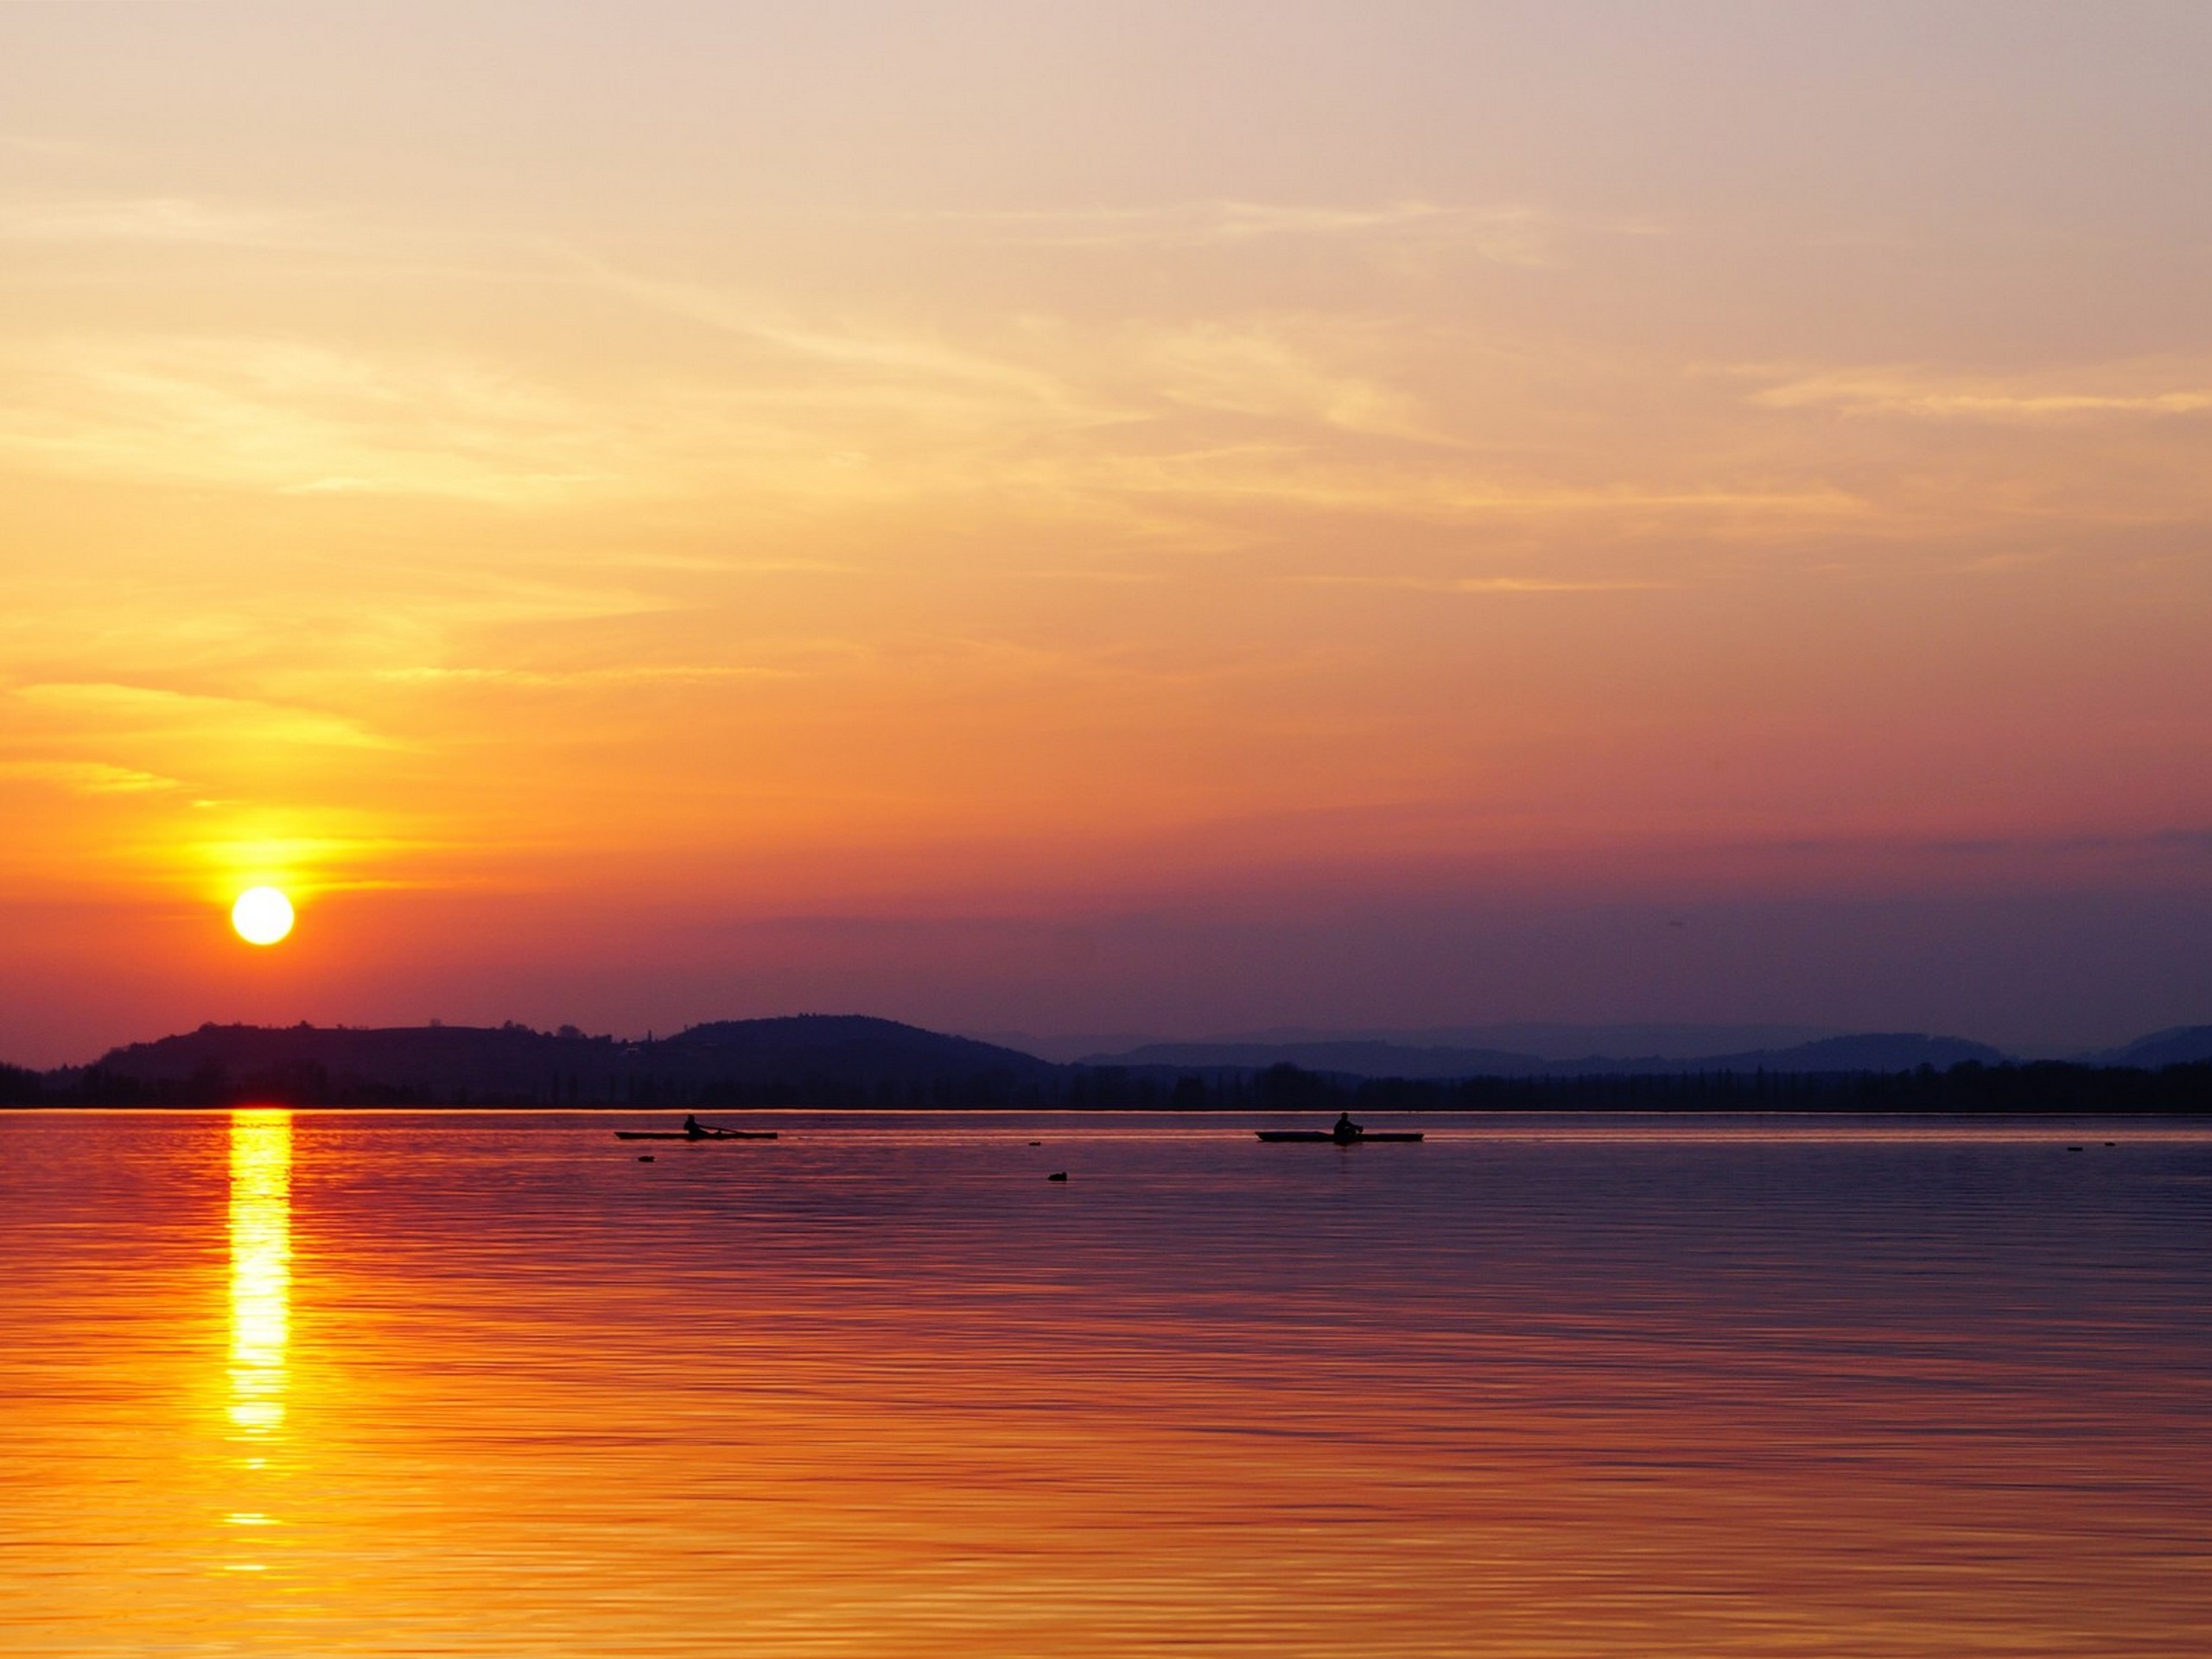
(853, 1047)
(2178, 1045)
(1347, 1058)
(1541, 1039)
(852, 1061)
(830, 1060)
(1873, 1051)
(1882, 1051)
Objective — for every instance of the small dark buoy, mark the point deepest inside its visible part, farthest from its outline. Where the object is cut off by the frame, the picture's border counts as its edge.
(1058, 1175)
(1036, 1143)
(2112, 1143)
(2073, 1148)
(644, 1157)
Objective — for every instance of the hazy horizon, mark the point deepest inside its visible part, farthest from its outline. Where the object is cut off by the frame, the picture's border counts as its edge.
(1551, 1042)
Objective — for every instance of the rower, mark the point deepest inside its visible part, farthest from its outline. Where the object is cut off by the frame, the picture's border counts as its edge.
(691, 1127)
(1347, 1129)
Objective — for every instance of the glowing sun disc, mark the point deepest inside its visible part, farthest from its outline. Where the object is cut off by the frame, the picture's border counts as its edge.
(262, 915)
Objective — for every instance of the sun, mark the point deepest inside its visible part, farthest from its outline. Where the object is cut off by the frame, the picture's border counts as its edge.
(262, 915)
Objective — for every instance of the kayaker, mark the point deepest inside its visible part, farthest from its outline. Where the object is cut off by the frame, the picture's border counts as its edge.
(1347, 1129)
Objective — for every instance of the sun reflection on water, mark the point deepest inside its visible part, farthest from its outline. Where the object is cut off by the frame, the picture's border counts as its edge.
(261, 1268)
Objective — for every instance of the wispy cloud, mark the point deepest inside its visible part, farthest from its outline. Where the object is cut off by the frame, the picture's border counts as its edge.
(308, 862)
(88, 777)
(1257, 370)
(139, 218)
(308, 419)
(1483, 584)
(902, 360)
(1155, 429)
(110, 707)
(1906, 391)
(1507, 233)
(632, 674)
(1291, 476)
(1160, 431)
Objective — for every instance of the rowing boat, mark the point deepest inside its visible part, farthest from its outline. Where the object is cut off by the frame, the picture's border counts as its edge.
(679, 1134)
(1341, 1140)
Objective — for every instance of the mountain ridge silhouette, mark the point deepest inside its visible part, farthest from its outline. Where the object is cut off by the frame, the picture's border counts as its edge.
(859, 1061)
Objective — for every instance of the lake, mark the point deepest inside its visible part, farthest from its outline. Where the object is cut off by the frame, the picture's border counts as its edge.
(328, 1383)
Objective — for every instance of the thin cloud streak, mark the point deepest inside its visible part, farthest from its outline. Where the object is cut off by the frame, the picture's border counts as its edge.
(144, 710)
(1925, 395)
(88, 777)
(657, 674)
(288, 418)
(176, 220)
(1484, 584)
(1505, 234)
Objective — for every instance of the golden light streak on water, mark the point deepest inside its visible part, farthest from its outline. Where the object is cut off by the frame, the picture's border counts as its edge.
(261, 1268)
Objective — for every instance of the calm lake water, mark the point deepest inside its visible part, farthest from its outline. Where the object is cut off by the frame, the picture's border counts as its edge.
(303, 1383)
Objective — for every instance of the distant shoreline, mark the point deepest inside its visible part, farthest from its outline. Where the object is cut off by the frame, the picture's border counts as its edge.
(2043, 1091)
(857, 1063)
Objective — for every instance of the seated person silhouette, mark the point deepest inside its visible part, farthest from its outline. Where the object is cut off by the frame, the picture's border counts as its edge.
(1347, 1129)
(691, 1127)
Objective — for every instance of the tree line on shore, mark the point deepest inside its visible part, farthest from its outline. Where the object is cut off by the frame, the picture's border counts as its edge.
(1970, 1087)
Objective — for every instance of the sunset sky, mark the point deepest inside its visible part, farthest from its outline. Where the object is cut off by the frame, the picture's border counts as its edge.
(1138, 518)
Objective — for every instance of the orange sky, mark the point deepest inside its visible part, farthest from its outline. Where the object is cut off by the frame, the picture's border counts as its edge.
(622, 512)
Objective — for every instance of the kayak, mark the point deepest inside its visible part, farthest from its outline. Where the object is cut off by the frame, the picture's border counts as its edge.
(1342, 1140)
(678, 1135)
